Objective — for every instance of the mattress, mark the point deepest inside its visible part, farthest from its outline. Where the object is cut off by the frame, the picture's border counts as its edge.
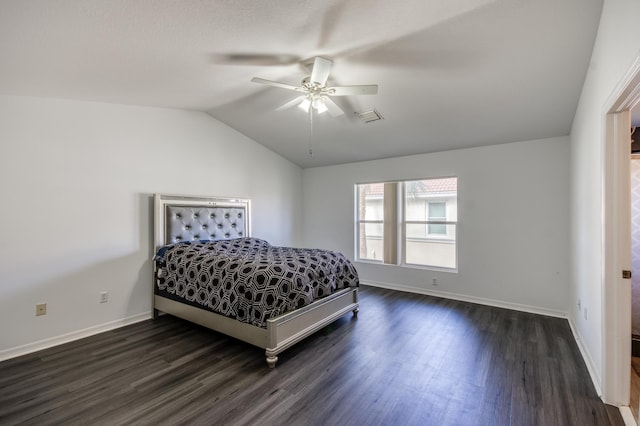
(248, 279)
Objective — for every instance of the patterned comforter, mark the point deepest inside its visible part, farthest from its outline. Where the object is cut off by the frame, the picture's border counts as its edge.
(248, 279)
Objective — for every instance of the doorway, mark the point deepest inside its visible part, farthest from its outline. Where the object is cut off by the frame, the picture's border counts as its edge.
(616, 200)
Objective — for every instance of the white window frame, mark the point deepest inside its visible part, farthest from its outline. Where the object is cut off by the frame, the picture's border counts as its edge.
(360, 222)
(442, 238)
(398, 230)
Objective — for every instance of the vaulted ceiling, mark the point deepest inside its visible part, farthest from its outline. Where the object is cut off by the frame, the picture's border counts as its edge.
(451, 73)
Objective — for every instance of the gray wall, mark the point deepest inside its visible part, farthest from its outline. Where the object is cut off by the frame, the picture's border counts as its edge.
(615, 49)
(513, 218)
(76, 180)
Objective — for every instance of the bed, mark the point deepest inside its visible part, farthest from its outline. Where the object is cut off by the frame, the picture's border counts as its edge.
(209, 270)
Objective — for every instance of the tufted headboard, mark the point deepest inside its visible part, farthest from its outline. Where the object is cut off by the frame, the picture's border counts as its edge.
(185, 218)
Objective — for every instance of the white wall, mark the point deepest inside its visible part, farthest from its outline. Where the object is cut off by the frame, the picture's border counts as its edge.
(76, 180)
(616, 46)
(512, 212)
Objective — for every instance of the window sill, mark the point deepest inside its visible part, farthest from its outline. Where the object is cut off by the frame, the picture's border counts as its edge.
(408, 266)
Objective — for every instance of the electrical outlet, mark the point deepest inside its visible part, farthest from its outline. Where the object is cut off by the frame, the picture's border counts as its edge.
(585, 313)
(434, 281)
(104, 297)
(41, 309)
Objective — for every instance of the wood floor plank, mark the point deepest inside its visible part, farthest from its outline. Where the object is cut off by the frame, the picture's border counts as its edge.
(407, 359)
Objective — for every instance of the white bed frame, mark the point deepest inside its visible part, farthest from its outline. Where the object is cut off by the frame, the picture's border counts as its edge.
(282, 332)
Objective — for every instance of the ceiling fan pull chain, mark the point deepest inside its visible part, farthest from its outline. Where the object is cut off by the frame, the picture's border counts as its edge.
(310, 132)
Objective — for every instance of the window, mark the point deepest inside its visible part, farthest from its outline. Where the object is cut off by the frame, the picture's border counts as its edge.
(370, 221)
(437, 212)
(408, 223)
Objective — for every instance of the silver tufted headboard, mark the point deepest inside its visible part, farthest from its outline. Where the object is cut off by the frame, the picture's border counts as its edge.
(183, 218)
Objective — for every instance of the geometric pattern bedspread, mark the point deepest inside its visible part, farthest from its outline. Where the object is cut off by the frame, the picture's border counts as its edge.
(248, 279)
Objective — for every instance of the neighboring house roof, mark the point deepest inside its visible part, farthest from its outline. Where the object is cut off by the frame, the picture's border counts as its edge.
(427, 187)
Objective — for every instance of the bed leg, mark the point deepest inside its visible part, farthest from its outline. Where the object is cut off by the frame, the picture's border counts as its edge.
(271, 360)
(355, 312)
(155, 314)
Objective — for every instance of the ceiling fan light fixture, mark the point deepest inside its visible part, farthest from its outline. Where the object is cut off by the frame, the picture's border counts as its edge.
(305, 104)
(319, 105)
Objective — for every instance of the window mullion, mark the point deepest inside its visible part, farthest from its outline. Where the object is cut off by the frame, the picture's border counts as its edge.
(391, 223)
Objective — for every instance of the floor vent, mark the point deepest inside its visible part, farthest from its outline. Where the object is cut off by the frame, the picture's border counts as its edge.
(369, 116)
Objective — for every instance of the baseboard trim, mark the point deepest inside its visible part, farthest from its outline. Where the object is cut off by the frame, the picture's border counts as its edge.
(595, 379)
(627, 416)
(70, 337)
(471, 299)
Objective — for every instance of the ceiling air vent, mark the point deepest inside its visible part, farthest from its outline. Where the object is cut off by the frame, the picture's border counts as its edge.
(369, 116)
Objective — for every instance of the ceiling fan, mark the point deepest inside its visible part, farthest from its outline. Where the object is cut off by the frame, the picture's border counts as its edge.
(315, 95)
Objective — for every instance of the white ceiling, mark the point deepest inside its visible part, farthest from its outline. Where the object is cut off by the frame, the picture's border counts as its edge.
(451, 73)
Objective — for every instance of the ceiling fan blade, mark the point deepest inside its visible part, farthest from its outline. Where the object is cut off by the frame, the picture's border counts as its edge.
(334, 110)
(275, 84)
(291, 103)
(367, 89)
(321, 70)
(255, 59)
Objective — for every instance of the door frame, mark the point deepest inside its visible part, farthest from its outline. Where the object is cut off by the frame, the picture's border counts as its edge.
(616, 238)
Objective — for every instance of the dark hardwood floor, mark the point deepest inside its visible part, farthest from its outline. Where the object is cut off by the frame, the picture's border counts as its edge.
(406, 360)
